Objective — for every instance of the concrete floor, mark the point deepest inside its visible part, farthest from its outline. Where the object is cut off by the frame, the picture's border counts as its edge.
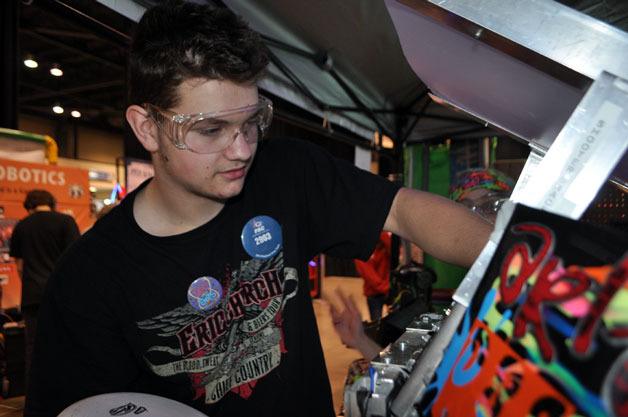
(337, 356)
(11, 407)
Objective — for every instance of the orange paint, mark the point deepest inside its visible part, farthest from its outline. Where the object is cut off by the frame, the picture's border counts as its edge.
(506, 385)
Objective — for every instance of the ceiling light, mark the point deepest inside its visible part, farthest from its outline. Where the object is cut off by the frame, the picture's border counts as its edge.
(30, 62)
(56, 70)
(387, 142)
(437, 99)
(57, 108)
(75, 113)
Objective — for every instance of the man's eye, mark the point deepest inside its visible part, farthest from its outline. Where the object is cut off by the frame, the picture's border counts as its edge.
(209, 131)
(251, 124)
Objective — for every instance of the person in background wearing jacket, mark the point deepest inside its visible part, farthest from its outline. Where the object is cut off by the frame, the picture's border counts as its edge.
(376, 274)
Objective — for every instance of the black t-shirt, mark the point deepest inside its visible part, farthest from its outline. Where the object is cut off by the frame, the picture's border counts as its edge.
(39, 240)
(118, 316)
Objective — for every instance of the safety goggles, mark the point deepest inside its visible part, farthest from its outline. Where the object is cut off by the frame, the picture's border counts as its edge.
(214, 131)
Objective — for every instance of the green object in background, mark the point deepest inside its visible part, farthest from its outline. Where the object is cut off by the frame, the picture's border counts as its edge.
(493, 155)
(448, 275)
(18, 134)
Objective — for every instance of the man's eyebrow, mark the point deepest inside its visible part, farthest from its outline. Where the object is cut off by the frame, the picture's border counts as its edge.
(213, 120)
(217, 119)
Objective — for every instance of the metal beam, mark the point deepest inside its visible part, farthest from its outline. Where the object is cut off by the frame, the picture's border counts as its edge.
(66, 33)
(317, 128)
(400, 112)
(357, 101)
(359, 110)
(86, 121)
(449, 118)
(416, 120)
(78, 14)
(449, 134)
(295, 80)
(315, 58)
(417, 99)
(288, 48)
(319, 60)
(69, 91)
(91, 104)
(72, 49)
(9, 72)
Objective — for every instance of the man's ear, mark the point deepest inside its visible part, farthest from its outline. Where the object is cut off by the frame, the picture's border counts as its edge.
(143, 126)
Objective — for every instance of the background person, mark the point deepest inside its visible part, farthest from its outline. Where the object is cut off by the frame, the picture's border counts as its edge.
(37, 243)
(376, 275)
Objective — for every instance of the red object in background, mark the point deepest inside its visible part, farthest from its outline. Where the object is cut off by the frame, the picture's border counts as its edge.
(376, 270)
(313, 268)
(10, 285)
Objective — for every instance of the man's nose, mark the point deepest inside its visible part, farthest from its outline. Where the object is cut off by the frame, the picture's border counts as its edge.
(240, 148)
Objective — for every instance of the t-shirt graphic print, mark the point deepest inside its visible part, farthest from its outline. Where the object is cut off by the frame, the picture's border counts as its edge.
(232, 346)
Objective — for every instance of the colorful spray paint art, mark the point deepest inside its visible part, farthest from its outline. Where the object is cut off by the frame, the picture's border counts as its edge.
(546, 334)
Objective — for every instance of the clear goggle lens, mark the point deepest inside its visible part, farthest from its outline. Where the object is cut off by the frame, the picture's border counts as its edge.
(213, 132)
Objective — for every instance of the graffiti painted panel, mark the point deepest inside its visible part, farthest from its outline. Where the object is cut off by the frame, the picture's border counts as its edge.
(546, 334)
(505, 382)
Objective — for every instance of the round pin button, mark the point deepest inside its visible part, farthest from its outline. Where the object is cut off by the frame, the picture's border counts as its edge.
(261, 237)
(204, 293)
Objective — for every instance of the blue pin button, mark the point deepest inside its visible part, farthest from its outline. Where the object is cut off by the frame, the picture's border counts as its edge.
(204, 293)
(261, 237)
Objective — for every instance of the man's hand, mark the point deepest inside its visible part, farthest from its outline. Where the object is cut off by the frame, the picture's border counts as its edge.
(348, 324)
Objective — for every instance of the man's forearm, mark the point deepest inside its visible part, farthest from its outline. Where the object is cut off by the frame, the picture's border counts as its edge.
(445, 229)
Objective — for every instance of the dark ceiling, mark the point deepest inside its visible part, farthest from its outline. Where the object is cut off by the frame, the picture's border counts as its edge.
(89, 42)
(91, 53)
(614, 12)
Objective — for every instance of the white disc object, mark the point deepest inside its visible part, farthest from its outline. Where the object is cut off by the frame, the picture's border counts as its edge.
(129, 404)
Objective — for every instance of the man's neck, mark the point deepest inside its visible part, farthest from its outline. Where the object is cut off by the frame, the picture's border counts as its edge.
(162, 211)
(41, 208)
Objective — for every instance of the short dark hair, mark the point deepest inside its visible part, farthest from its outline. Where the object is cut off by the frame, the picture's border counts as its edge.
(36, 198)
(176, 41)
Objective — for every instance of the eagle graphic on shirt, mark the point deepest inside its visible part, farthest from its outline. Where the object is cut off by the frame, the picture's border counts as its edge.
(232, 346)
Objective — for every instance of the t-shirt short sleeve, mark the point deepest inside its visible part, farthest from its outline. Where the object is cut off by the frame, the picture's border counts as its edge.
(346, 206)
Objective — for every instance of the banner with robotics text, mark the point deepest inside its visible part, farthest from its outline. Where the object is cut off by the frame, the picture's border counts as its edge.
(70, 186)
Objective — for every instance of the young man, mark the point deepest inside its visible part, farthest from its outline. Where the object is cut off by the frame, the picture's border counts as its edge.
(195, 287)
(37, 242)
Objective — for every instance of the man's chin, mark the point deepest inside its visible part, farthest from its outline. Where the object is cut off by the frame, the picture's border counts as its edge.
(226, 193)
